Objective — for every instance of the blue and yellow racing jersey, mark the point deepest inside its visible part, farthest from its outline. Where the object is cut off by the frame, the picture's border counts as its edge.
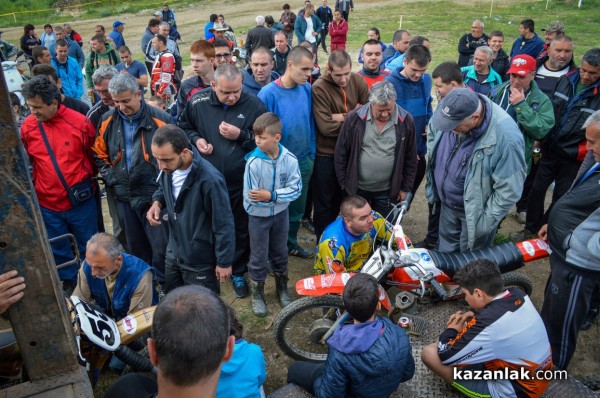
(340, 250)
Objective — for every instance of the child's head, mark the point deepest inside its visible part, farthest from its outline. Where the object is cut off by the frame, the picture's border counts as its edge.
(361, 297)
(236, 329)
(156, 102)
(481, 281)
(267, 131)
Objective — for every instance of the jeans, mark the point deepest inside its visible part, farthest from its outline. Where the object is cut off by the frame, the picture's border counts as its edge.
(242, 239)
(82, 222)
(327, 195)
(453, 233)
(145, 241)
(380, 202)
(298, 206)
(551, 168)
(267, 239)
(304, 374)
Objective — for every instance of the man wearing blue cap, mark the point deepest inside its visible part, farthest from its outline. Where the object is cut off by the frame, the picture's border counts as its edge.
(476, 169)
(117, 34)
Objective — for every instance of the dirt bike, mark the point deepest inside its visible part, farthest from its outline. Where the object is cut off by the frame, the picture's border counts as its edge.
(96, 334)
(417, 275)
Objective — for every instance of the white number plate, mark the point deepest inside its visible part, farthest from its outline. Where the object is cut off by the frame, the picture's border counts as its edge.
(99, 328)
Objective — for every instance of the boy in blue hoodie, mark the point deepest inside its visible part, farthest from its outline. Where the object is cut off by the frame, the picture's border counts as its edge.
(413, 89)
(244, 374)
(368, 358)
(271, 181)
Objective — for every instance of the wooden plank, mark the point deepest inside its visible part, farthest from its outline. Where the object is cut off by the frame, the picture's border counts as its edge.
(40, 320)
(63, 386)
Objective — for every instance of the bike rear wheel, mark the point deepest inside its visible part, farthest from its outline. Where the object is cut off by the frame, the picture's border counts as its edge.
(300, 326)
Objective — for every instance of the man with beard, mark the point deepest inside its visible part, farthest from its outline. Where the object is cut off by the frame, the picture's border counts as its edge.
(202, 234)
(557, 62)
(260, 72)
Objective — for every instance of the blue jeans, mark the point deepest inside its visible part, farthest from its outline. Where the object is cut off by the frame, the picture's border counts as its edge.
(82, 222)
(297, 207)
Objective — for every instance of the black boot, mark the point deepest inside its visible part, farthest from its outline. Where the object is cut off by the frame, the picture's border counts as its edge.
(281, 280)
(257, 290)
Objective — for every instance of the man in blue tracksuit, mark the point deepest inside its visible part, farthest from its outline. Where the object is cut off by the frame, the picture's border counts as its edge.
(529, 42)
(413, 88)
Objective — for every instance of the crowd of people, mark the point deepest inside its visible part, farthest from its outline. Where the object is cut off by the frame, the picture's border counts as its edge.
(211, 177)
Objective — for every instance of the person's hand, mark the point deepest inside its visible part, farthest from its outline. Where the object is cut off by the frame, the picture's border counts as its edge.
(338, 117)
(315, 34)
(543, 232)
(229, 131)
(458, 320)
(203, 146)
(259, 195)
(153, 215)
(11, 289)
(516, 95)
(223, 274)
(401, 196)
(124, 72)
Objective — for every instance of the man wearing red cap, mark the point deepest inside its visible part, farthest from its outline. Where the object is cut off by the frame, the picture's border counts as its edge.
(522, 99)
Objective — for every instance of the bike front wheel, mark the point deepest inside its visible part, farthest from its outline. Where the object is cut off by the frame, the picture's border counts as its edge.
(300, 326)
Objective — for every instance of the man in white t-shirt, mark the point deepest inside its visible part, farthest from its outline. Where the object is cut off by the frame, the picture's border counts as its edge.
(201, 230)
(558, 62)
(308, 27)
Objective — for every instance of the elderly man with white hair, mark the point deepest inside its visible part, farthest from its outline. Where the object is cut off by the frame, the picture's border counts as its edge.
(480, 77)
(259, 36)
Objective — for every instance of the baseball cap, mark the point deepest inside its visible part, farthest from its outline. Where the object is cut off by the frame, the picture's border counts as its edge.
(459, 104)
(554, 26)
(118, 23)
(521, 64)
(158, 14)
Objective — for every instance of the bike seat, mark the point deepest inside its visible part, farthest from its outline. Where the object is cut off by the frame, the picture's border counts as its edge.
(7, 337)
(506, 256)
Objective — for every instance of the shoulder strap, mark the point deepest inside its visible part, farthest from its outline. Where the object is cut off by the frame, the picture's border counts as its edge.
(53, 158)
(113, 55)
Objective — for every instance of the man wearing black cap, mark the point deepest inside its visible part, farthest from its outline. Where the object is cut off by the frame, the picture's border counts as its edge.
(476, 169)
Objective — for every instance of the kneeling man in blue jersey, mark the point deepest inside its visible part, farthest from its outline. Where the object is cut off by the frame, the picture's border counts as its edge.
(500, 349)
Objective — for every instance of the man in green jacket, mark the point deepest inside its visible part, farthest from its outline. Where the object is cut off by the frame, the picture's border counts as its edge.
(101, 55)
(522, 99)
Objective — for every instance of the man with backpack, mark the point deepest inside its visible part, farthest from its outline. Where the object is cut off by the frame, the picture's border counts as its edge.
(101, 55)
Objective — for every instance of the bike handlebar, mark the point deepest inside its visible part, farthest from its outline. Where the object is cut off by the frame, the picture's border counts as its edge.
(438, 288)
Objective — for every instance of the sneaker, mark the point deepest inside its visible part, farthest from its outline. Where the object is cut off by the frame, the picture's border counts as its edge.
(307, 223)
(520, 236)
(301, 252)
(240, 287)
(424, 245)
(521, 217)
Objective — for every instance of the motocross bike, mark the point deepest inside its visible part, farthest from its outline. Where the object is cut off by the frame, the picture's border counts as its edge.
(97, 337)
(302, 328)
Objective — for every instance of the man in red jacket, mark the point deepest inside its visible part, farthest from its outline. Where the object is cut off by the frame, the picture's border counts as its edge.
(338, 30)
(58, 141)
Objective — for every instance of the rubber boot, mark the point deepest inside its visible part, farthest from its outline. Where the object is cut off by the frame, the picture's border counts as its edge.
(257, 292)
(281, 280)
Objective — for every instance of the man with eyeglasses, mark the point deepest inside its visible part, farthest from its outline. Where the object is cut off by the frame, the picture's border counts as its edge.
(222, 53)
(218, 121)
(476, 169)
